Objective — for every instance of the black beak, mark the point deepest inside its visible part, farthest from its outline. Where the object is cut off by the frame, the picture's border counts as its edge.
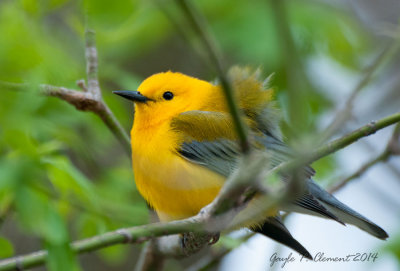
(132, 95)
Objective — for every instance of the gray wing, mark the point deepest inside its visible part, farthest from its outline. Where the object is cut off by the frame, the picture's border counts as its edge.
(221, 155)
(218, 152)
(208, 140)
(280, 152)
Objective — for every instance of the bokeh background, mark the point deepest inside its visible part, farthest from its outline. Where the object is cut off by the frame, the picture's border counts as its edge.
(63, 176)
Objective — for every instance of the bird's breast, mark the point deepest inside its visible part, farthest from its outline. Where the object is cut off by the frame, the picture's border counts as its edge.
(173, 186)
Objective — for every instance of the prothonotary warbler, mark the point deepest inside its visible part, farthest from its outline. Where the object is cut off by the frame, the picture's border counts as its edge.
(184, 146)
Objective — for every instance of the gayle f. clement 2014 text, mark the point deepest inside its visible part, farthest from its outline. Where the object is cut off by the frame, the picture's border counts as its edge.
(322, 257)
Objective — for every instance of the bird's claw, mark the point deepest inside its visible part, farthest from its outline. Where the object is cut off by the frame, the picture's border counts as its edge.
(214, 237)
(193, 242)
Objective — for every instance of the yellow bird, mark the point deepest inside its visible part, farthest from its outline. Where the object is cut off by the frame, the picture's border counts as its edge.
(184, 147)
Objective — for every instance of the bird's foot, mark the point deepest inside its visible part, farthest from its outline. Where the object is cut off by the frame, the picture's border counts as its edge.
(193, 242)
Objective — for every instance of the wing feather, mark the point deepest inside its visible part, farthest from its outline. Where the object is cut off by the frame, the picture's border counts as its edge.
(207, 139)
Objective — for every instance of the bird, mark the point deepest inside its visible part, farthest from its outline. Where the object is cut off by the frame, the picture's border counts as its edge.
(184, 147)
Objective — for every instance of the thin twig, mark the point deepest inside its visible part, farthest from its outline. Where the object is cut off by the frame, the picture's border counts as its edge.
(86, 101)
(92, 65)
(392, 148)
(200, 27)
(128, 235)
(393, 169)
(90, 99)
(394, 142)
(343, 114)
(182, 30)
(213, 258)
(361, 132)
(380, 158)
(148, 259)
(202, 221)
(298, 82)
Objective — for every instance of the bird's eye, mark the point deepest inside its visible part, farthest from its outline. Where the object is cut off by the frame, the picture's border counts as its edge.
(168, 95)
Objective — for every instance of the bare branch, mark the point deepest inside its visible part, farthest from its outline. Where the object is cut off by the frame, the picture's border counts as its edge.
(88, 100)
(149, 260)
(297, 79)
(345, 113)
(392, 148)
(82, 85)
(92, 64)
(212, 259)
(392, 168)
(199, 26)
(380, 158)
(181, 29)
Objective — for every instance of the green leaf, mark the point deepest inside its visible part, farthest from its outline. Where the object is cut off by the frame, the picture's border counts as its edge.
(7, 249)
(89, 225)
(322, 28)
(393, 247)
(38, 216)
(68, 179)
(229, 242)
(56, 231)
(31, 209)
(114, 254)
(61, 258)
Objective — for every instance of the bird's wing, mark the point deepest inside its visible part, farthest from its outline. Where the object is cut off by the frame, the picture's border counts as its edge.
(207, 139)
(280, 152)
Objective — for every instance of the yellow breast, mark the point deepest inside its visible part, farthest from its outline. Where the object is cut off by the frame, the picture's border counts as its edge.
(173, 186)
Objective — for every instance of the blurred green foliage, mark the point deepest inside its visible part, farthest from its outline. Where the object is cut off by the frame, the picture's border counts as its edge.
(63, 175)
(394, 248)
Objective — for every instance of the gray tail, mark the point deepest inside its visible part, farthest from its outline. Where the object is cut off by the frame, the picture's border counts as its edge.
(345, 213)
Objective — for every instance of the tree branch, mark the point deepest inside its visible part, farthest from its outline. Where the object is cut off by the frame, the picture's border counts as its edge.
(92, 64)
(128, 235)
(204, 221)
(149, 259)
(182, 30)
(392, 148)
(350, 138)
(90, 99)
(393, 169)
(210, 260)
(298, 81)
(380, 158)
(346, 112)
(199, 26)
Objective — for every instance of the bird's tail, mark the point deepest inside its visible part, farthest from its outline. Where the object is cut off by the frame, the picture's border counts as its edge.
(345, 213)
(274, 229)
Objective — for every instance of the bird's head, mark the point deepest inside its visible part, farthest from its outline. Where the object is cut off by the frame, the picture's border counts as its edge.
(162, 96)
